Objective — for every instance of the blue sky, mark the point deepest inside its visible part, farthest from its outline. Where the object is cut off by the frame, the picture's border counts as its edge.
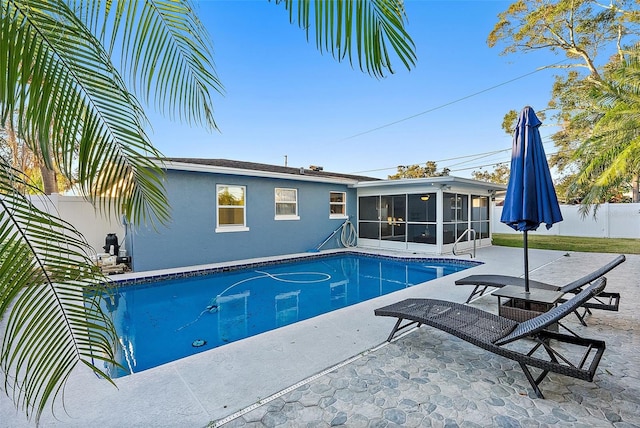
(283, 98)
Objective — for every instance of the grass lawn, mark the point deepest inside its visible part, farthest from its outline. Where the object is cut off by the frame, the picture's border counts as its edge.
(570, 243)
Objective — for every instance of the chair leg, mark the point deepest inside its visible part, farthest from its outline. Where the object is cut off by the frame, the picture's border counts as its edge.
(399, 327)
(534, 382)
(581, 316)
(568, 329)
(477, 292)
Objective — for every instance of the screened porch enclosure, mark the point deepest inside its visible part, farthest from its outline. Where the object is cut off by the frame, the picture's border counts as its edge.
(427, 220)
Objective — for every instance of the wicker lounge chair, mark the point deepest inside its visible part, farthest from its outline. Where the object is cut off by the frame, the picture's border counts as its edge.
(493, 333)
(605, 301)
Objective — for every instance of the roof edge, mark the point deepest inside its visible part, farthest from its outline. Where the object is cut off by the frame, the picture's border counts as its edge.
(231, 167)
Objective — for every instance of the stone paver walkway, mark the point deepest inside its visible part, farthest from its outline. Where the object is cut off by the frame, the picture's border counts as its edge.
(431, 379)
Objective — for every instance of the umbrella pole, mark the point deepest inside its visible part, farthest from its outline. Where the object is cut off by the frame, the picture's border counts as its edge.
(526, 263)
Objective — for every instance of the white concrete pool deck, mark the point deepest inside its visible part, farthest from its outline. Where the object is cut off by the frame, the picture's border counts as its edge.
(194, 391)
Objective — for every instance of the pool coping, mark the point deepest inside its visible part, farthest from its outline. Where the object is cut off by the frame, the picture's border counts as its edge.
(146, 277)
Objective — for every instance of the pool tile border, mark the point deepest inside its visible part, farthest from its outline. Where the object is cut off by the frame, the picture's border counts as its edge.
(154, 278)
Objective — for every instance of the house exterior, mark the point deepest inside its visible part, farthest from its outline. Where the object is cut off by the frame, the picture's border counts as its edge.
(224, 210)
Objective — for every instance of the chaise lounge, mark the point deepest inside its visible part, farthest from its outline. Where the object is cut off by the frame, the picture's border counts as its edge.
(493, 333)
(605, 301)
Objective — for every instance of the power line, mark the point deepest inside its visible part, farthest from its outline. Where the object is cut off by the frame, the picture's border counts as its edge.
(483, 155)
(438, 161)
(451, 102)
(494, 164)
(475, 157)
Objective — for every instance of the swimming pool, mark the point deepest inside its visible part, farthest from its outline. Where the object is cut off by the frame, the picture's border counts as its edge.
(166, 319)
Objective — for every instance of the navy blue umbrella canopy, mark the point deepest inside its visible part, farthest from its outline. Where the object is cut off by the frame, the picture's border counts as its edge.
(531, 198)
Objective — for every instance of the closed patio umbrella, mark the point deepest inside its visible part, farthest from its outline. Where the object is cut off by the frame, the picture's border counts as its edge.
(531, 198)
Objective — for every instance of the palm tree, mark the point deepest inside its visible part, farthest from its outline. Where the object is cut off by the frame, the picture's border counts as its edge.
(73, 72)
(610, 158)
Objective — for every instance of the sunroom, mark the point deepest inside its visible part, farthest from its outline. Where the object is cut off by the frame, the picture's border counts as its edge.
(437, 215)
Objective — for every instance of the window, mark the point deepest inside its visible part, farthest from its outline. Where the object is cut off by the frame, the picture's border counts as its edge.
(369, 217)
(393, 213)
(480, 216)
(231, 208)
(383, 217)
(421, 218)
(337, 204)
(422, 208)
(455, 212)
(287, 204)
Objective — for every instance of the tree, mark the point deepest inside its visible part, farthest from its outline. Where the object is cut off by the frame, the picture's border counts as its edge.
(17, 153)
(509, 121)
(585, 31)
(500, 174)
(24, 159)
(578, 28)
(430, 169)
(610, 157)
(73, 74)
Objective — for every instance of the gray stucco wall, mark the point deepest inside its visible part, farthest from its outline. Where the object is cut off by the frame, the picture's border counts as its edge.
(190, 237)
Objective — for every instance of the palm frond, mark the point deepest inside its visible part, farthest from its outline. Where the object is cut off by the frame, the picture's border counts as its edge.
(363, 26)
(50, 296)
(73, 100)
(609, 157)
(165, 50)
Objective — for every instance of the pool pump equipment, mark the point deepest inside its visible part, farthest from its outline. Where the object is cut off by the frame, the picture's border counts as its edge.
(111, 244)
(113, 260)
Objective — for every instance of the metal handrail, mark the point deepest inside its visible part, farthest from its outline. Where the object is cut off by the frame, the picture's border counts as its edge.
(471, 232)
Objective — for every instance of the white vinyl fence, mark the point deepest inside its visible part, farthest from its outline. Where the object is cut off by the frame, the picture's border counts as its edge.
(84, 217)
(611, 221)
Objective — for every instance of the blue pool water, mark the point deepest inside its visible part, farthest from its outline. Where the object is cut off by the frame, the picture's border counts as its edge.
(171, 319)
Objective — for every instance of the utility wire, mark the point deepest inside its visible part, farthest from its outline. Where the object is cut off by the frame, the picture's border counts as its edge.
(475, 157)
(452, 102)
(437, 161)
(493, 164)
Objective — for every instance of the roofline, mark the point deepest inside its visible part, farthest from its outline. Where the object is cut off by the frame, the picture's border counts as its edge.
(186, 166)
(434, 181)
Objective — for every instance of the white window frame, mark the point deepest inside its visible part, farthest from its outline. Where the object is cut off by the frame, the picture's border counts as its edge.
(235, 227)
(276, 202)
(343, 204)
